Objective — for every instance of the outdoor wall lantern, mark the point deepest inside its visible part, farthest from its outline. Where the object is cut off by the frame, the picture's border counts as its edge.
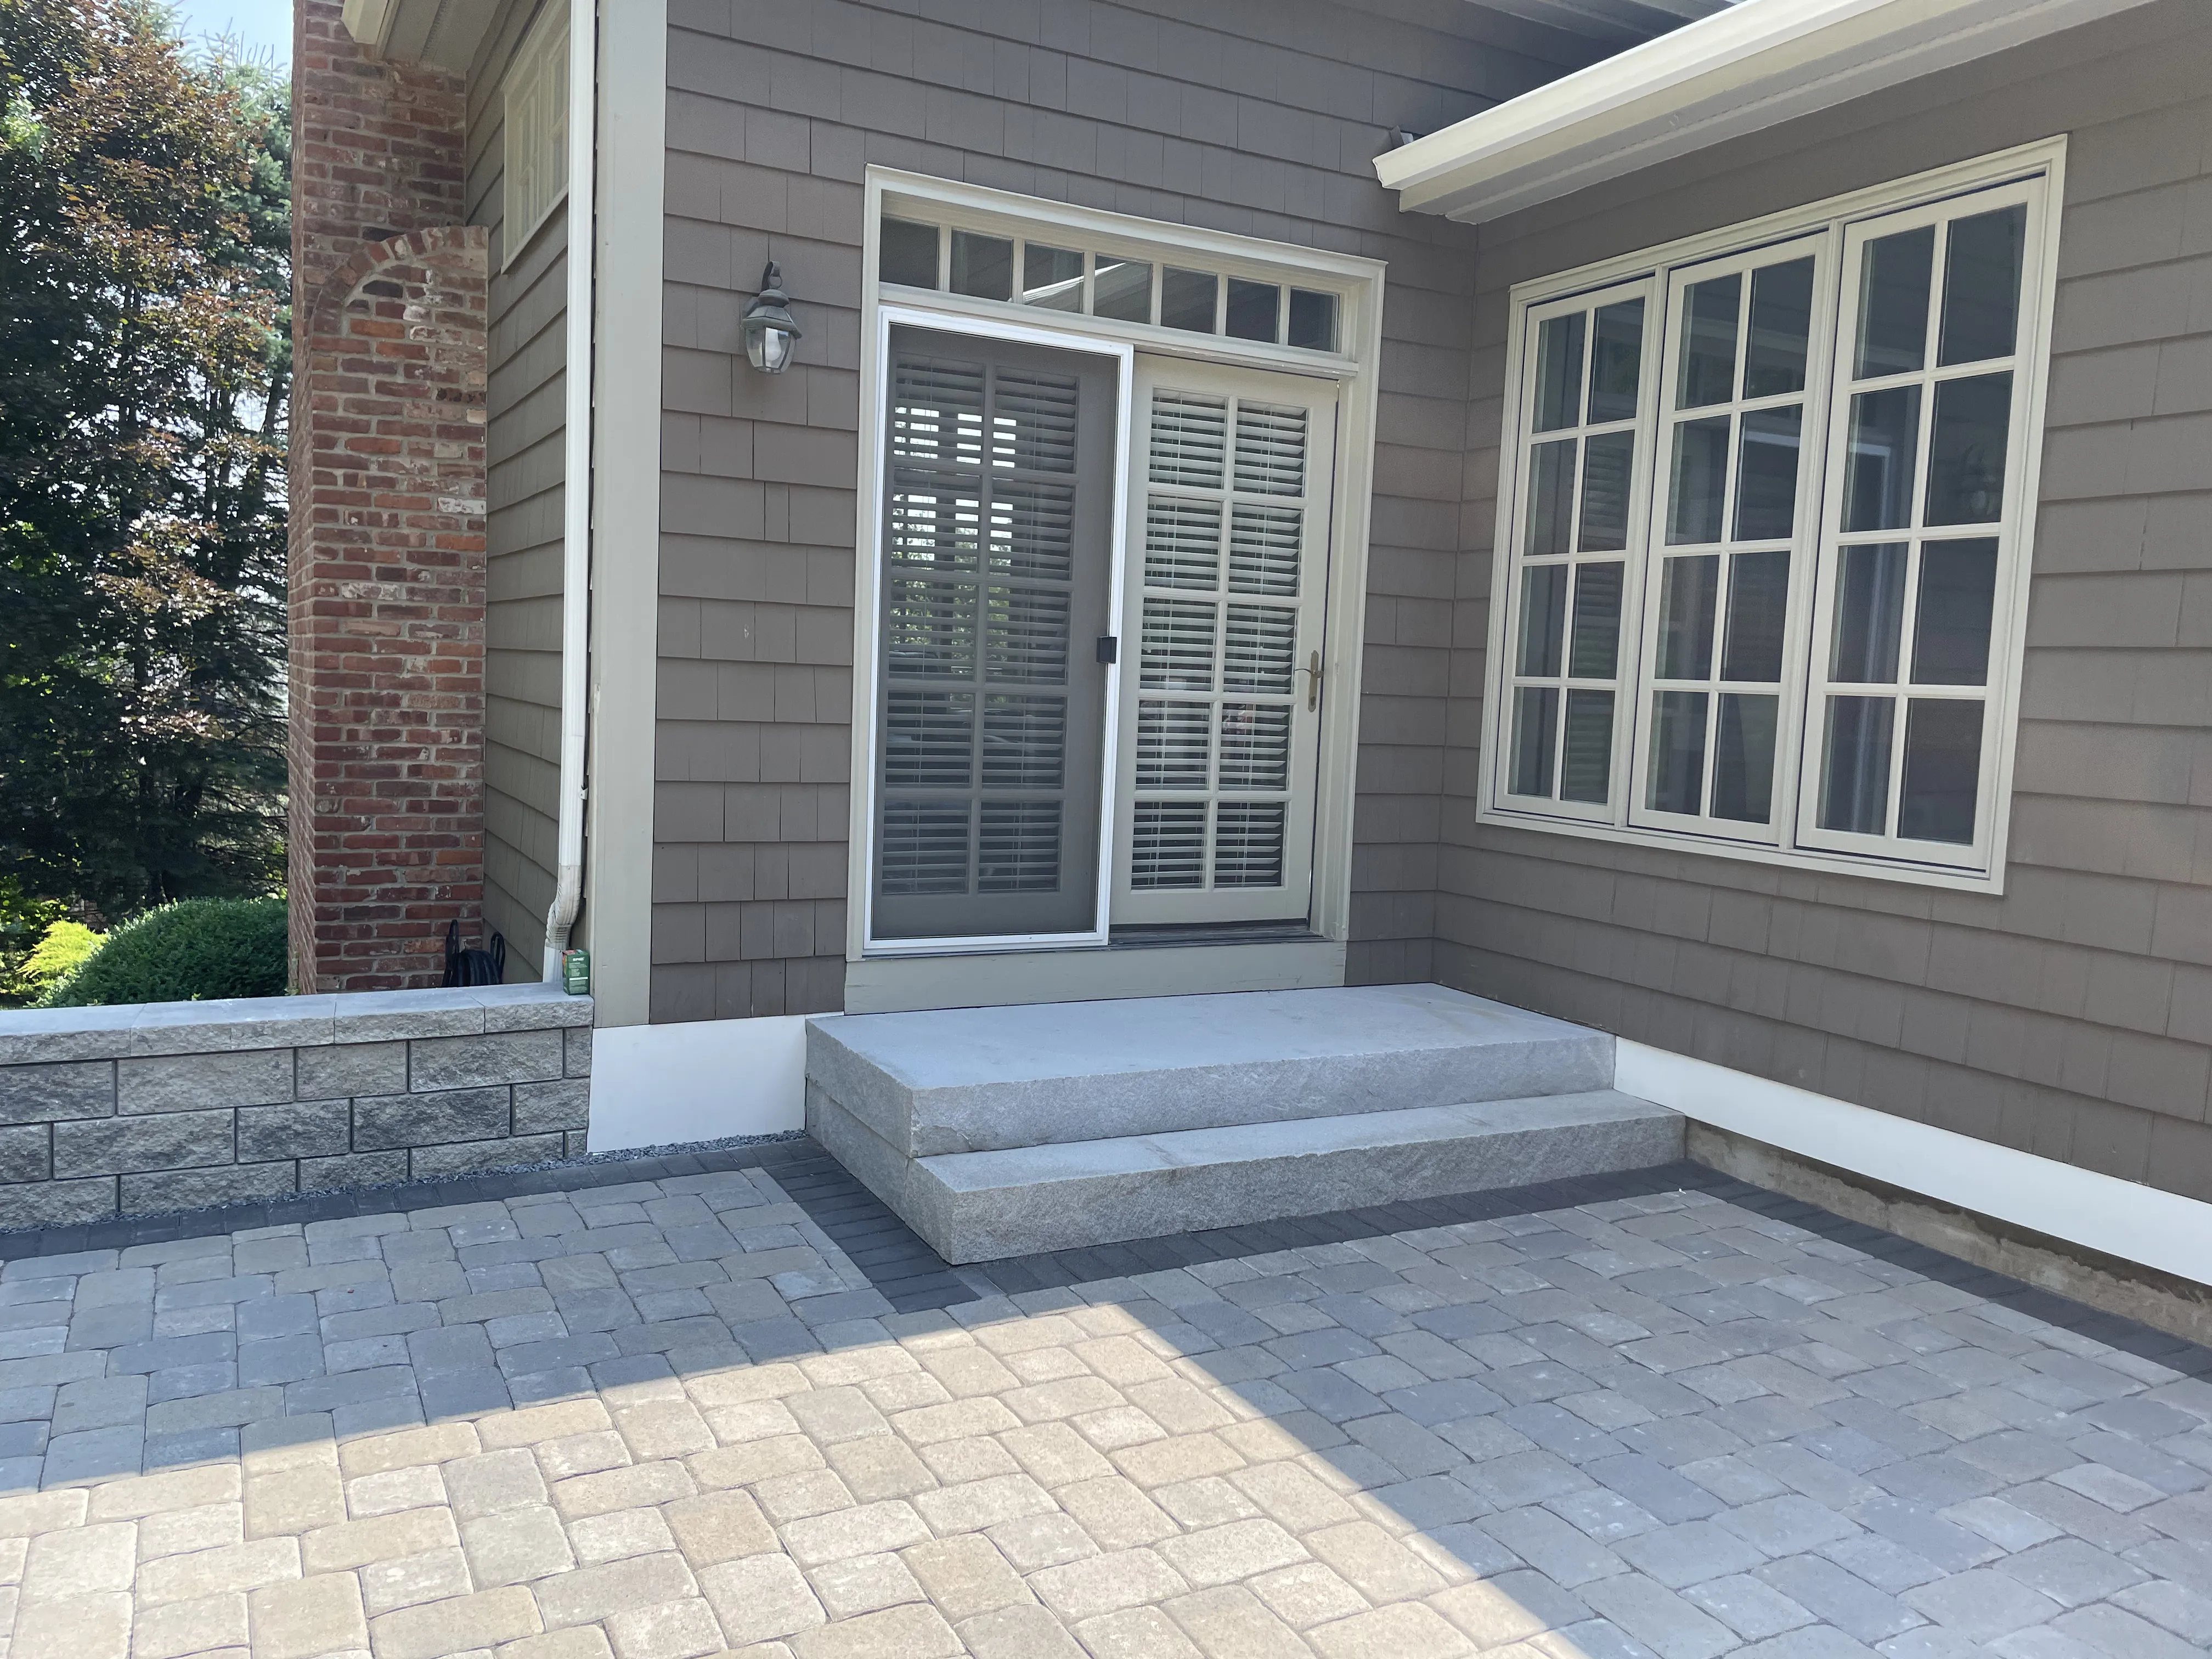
(770, 333)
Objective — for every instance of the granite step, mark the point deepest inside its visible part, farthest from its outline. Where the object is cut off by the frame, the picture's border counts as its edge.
(981, 1205)
(993, 1079)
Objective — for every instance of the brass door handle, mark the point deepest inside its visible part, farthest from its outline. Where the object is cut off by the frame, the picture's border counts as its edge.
(1313, 684)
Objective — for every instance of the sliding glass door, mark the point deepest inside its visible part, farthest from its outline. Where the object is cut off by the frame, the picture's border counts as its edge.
(1016, 729)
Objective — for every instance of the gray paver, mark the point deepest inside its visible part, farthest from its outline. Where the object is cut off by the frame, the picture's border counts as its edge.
(663, 1419)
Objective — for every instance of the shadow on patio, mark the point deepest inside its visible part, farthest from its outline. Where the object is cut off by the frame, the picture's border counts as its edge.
(673, 1416)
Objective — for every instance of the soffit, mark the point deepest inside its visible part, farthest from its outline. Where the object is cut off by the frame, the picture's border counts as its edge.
(442, 34)
(1617, 23)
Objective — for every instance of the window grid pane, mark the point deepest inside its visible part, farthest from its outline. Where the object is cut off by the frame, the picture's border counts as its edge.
(1044, 274)
(1586, 389)
(1931, 448)
(1819, 656)
(1720, 598)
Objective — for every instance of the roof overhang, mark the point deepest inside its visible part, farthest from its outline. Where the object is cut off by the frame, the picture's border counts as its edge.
(1758, 63)
(442, 34)
(1615, 23)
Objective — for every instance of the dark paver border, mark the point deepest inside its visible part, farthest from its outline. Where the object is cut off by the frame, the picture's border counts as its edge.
(913, 1278)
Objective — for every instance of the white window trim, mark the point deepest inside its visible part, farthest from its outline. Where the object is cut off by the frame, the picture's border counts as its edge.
(2009, 621)
(535, 73)
(1357, 283)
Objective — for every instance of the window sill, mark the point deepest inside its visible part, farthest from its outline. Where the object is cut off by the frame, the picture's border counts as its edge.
(1810, 860)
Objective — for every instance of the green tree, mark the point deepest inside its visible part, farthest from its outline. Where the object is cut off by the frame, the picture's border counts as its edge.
(144, 366)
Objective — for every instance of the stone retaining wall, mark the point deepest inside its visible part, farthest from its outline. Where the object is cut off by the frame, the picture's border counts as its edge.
(174, 1105)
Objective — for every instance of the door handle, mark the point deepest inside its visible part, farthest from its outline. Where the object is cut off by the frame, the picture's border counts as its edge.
(1312, 669)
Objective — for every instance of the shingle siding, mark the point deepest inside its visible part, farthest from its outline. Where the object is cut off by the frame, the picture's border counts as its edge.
(2073, 1016)
(1262, 120)
(527, 431)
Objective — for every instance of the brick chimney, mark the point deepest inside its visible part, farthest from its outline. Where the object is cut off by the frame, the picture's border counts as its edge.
(387, 644)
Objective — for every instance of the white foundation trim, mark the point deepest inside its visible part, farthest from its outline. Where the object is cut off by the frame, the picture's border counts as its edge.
(2098, 1212)
(659, 1085)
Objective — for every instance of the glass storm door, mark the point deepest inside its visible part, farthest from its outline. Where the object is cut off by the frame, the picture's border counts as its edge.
(1225, 579)
(997, 562)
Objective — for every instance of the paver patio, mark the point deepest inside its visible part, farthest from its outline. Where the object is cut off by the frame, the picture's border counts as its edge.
(670, 1417)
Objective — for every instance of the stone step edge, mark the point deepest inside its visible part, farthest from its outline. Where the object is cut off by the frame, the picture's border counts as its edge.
(1290, 1138)
(923, 1120)
(982, 1207)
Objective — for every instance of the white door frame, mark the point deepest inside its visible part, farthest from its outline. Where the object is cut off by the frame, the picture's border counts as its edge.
(1062, 966)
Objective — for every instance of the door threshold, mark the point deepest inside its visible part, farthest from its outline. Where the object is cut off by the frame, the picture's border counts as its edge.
(1217, 933)
(1219, 959)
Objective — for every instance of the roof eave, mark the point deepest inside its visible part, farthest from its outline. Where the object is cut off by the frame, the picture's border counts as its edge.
(1735, 72)
(441, 33)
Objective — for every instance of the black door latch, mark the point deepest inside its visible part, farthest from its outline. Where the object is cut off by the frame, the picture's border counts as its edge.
(1109, 649)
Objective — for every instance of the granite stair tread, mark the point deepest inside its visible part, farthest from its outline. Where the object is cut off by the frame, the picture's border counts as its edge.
(983, 1080)
(979, 1206)
(1316, 1137)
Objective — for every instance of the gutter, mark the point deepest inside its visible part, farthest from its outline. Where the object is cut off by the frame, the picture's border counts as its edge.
(576, 480)
(1738, 72)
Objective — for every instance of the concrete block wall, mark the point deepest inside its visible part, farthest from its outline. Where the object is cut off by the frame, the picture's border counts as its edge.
(137, 1110)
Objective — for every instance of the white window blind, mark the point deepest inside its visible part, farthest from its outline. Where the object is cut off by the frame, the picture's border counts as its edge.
(536, 128)
(1767, 537)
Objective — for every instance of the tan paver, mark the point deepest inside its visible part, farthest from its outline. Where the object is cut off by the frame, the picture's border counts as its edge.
(182, 1628)
(456, 1625)
(308, 1617)
(761, 1598)
(79, 1626)
(965, 1576)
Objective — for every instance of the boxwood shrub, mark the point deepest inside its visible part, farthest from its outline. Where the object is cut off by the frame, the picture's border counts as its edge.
(190, 952)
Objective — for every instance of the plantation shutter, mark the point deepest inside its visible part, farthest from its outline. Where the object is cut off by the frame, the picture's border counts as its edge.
(1225, 589)
(997, 562)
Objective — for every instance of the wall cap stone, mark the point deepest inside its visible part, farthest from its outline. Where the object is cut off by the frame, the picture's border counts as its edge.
(35, 1036)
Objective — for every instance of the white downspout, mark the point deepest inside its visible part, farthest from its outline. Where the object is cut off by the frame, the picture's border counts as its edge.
(576, 479)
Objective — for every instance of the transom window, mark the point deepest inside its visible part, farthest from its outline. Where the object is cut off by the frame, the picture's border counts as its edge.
(1174, 291)
(1766, 537)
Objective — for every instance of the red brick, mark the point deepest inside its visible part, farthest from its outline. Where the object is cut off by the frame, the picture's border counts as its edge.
(387, 582)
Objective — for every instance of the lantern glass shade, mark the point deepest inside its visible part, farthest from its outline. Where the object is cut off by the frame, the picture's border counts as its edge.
(769, 329)
(768, 347)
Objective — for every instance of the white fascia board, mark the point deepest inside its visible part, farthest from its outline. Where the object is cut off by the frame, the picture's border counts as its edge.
(2098, 1213)
(1754, 66)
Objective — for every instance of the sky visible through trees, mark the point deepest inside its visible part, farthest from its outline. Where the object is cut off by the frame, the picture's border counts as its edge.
(144, 366)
